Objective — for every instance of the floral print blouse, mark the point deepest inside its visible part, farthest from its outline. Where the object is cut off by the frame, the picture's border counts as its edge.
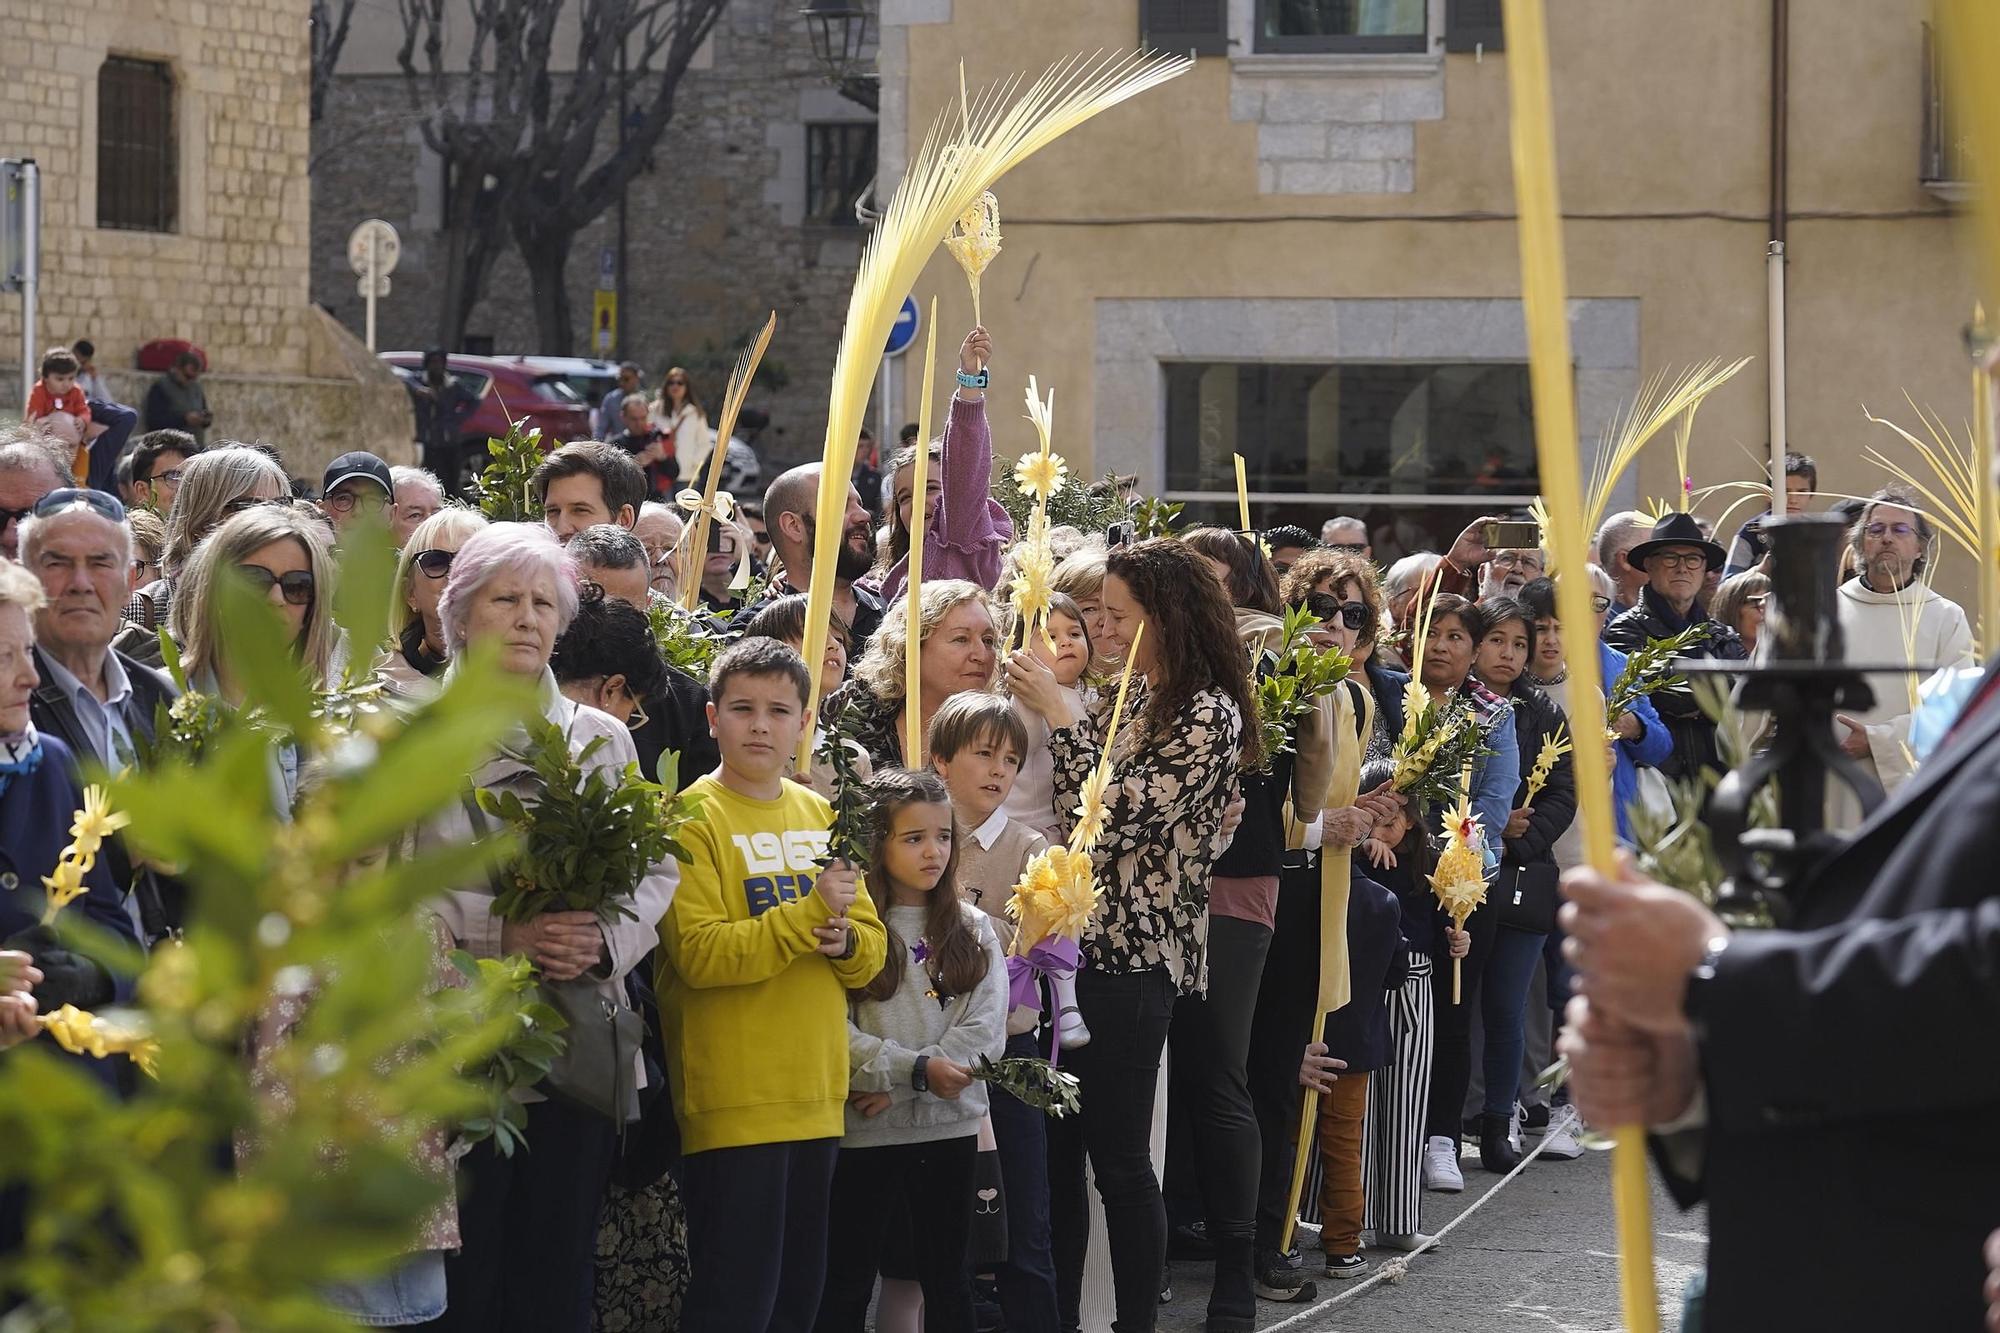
(1164, 807)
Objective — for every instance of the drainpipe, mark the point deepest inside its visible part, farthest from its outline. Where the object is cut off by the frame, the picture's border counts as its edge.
(1774, 259)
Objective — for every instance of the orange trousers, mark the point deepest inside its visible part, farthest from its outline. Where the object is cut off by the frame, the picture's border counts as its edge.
(1341, 1198)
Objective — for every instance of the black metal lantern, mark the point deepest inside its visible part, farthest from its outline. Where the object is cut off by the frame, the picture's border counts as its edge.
(839, 31)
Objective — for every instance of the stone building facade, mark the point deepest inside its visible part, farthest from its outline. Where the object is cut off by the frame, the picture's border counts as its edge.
(717, 233)
(210, 101)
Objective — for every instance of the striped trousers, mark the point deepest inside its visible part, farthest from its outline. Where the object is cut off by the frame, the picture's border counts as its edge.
(1392, 1139)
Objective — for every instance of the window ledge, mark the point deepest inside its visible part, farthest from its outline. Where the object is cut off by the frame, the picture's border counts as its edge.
(1357, 64)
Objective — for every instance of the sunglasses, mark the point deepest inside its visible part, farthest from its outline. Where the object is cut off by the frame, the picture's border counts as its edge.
(297, 585)
(435, 563)
(1756, 599)
(244, 503)
(1600, 603)
(1354, 615)
(68, 497)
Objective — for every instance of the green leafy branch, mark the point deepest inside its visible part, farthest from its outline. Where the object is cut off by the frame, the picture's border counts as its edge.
(1650, 669)
(1033, 1081)
(1291, 680)
(505, 485)
(503, 988)
(853, 829)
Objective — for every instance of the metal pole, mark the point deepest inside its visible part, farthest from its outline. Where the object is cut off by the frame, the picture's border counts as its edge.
(1775, 266)
(31, 271)
(373, 281)
(618, 279)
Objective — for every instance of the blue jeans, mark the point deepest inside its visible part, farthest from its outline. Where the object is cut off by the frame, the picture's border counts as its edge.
(1503, 1003)
(413, 1292)
(1028, 1278)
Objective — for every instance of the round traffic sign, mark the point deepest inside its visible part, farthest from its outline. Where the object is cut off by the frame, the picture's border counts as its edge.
(388, 247)
(381, 285)
(904, 331)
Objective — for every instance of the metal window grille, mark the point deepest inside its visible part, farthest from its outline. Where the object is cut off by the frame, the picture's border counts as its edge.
(138, 169)
(840, 162)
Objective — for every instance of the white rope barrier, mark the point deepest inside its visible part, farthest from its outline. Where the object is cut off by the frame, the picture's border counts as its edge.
(1397, 1269)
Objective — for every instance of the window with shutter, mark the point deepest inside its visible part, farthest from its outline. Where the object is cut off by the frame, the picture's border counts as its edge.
(1472, 25)
(138, 176)
(1200, 26)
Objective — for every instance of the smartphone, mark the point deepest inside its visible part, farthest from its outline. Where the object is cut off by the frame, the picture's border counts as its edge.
(1121, 534)
(1512, 534)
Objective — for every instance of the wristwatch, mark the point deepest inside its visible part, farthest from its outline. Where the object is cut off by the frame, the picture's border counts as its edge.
(979, 381)
(1698, 985)
(920, 1074)
(848, 952)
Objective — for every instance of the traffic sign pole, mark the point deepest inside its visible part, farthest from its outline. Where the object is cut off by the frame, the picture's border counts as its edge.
(30, 184)
(374, 260)
(372, 251)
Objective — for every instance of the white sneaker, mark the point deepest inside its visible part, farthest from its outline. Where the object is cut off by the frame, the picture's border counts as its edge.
(1441, 1171)
(1516, 1130)
(1070, 1030)
(1560, 1142)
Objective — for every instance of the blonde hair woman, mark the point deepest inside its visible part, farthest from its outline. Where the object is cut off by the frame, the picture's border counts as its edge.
(960, 651)
(285, 557)
(416, 632)
(214, 484)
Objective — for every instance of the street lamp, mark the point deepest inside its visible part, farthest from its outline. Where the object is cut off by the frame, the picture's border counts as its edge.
(839, 32)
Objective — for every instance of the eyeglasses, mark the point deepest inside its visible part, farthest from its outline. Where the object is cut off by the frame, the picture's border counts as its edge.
(172, 474)
(1354, 615)
(1888, 529)
(638, 717)
(68, 497)
(435, 563)
(140, 565)
(1515, 560)
(297, 585)
(1680, 559)
(1600, 603)
(682, 383)
(345, 502)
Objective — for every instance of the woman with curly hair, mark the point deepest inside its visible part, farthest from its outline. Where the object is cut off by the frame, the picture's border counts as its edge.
(960, 646)
(1188, 732)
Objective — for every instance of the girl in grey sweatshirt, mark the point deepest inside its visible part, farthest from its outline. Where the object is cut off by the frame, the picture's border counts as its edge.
(916, 1035)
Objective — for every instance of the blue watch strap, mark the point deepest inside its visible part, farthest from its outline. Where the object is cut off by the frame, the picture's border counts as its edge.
(979, 381)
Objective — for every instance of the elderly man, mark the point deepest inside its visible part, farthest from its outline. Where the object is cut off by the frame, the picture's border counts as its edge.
(417, 495)
(790, 510)
(98, 702)
(1674, 562)
(29, 469)
(613, 559)
(1889, 613)
(659, 529)
(1508, 571)
(356, 486)
(1616, 536)
(1344, 533)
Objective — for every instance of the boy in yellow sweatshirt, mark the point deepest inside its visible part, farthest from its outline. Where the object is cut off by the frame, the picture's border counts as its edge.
(758, 952)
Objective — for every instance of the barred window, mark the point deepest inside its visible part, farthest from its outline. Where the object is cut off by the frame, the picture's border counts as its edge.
(840, 162)
(138, 174)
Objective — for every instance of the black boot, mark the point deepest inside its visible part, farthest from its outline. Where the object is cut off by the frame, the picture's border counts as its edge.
(1496, 1154)
(1232, 1302)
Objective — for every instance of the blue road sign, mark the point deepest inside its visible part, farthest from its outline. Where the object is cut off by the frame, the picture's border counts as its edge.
(904, 331)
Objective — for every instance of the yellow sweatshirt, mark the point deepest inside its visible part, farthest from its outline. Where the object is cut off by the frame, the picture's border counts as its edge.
(755, 1018)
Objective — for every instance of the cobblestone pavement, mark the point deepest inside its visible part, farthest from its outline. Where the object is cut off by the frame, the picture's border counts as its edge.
(1541, 1256)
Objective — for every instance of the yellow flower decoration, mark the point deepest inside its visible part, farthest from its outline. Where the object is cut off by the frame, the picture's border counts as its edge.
(1033, 584)
(95, 822)
(1091, 816)
(1056, 895)
(63, 886)
(81, 1032)
(1040, 474)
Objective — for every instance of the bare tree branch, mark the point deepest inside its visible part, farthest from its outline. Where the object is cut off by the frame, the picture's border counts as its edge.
(329, 22)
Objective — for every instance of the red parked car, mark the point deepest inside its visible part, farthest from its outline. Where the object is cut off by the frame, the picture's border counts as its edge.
(507, 390)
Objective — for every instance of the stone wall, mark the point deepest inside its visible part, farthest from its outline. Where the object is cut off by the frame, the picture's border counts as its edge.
(715, 233)
(231, 276)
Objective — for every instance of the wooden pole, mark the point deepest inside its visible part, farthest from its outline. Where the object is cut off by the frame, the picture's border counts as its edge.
(1545, 305)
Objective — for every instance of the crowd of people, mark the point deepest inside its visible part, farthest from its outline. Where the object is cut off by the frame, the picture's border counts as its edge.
(818, 1134)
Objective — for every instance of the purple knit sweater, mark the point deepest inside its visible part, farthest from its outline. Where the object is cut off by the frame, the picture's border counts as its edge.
(971, 532)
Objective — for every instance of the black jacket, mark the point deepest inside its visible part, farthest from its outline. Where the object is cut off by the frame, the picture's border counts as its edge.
(1693, 734)
(1536, 717)
(1378, 961)
(1851, 1073)
(677, 722)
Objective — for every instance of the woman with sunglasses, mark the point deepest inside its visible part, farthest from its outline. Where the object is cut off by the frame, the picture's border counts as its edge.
(530, 1221)
(678, 415)
(285, 558)
(1739, 604)
(214, 484)
(417, 634)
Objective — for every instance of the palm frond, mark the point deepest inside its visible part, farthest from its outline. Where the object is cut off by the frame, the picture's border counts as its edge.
(693, 550)
(1001, 128)
(1660, 401)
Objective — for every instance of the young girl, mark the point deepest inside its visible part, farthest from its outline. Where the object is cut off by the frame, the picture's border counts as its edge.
(1033, 800)
(1392, 1140)
(916, 1033)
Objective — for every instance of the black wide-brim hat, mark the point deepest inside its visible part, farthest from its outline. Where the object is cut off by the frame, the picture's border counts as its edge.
(1676, 530)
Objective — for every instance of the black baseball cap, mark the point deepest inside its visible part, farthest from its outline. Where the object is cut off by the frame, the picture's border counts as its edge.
(360, 463)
